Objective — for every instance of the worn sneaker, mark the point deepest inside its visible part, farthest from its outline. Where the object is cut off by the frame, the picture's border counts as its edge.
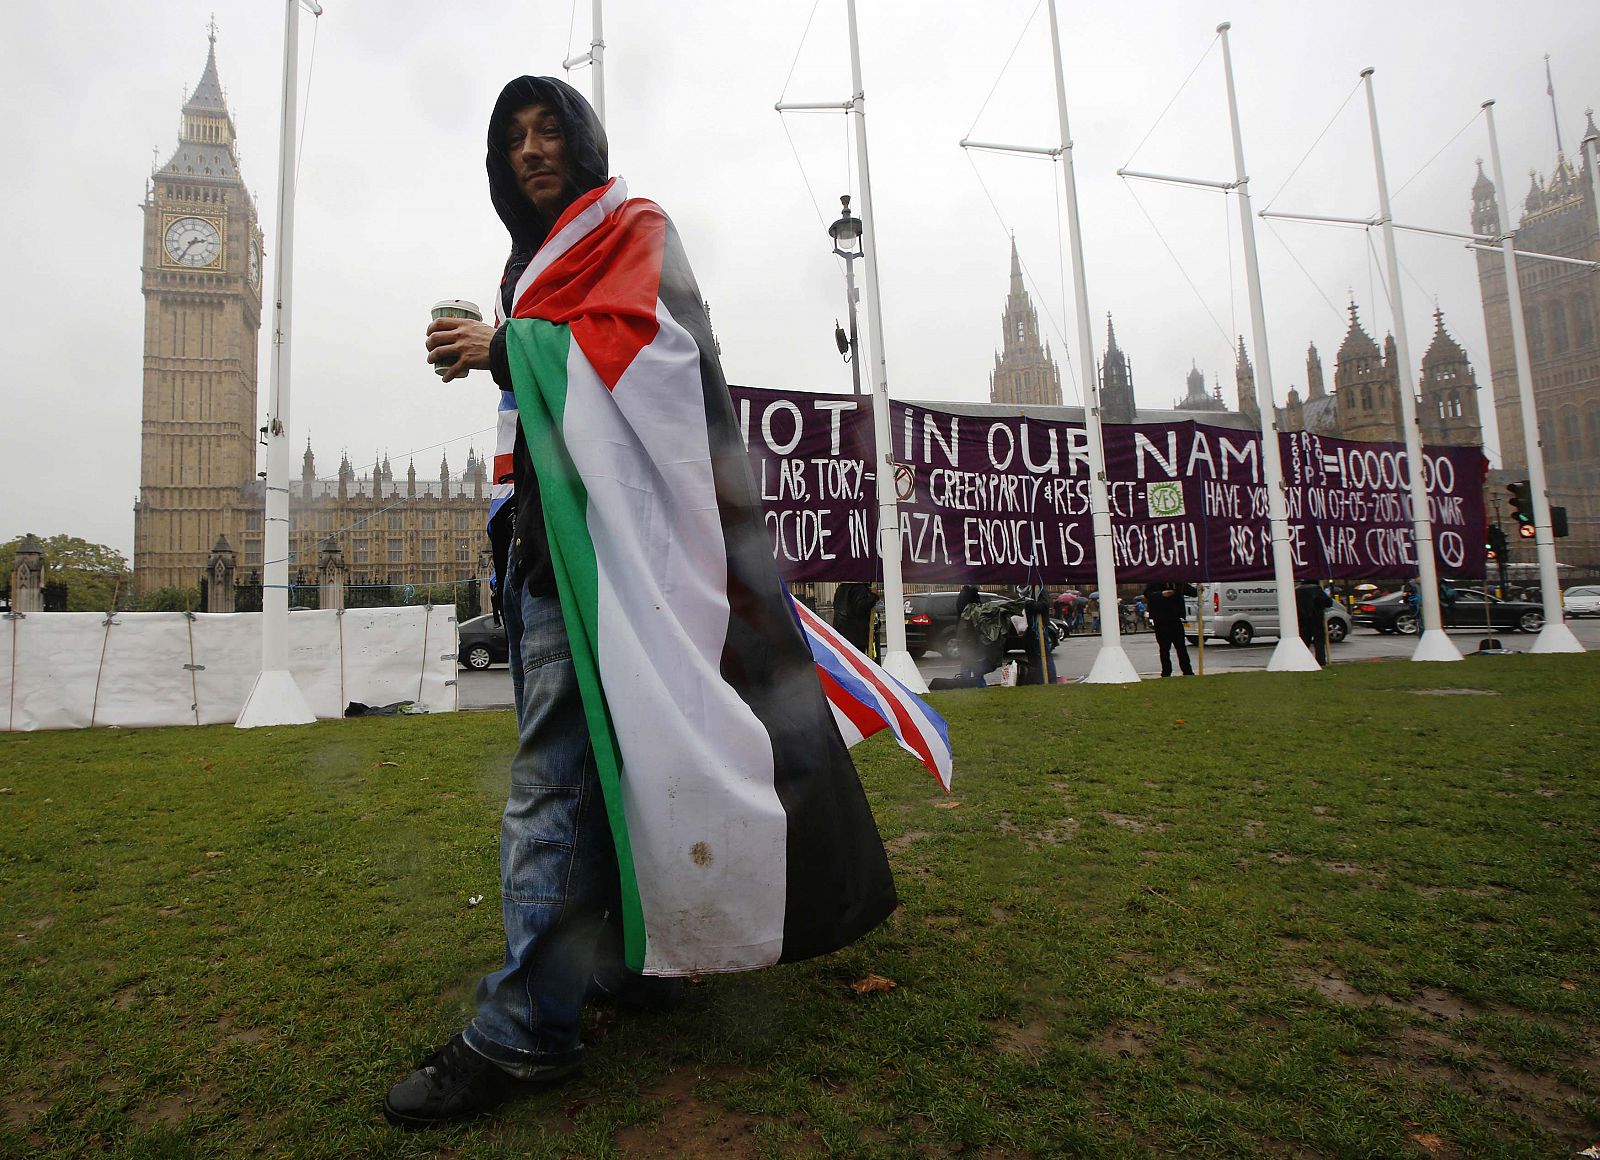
(456, 1083)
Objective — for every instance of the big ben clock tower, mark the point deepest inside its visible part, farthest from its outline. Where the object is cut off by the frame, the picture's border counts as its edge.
(202, 291)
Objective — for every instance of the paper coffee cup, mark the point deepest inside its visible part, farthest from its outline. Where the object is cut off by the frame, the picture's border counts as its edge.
(453, 308)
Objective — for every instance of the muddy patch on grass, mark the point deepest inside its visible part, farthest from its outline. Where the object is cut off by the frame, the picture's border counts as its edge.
(905, 841)
(1137, 825)
(1433, 1002)
(690, 1125)
(1025, 1039)
(1454, 693)
(1464, 1067)
(1124, 1041)
(23, 1107)
(1179, 979)
(171, 1109)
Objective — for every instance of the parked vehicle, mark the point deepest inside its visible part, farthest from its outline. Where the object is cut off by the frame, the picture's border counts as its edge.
(1471, 608)
(931, 624)
(1240, 612)
(481, 642)
(1582, 600)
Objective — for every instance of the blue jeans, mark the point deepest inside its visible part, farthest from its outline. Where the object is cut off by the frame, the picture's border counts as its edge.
(558, 864)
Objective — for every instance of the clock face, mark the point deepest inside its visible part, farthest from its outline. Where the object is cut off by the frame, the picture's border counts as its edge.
(193, 241)
(253, 260)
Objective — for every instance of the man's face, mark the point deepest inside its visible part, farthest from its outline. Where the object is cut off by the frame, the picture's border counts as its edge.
(538, 155)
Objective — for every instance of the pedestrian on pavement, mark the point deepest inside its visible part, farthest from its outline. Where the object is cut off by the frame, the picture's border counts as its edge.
(853, 603)
(642, 675)
(1163, 602)
(1311, 604)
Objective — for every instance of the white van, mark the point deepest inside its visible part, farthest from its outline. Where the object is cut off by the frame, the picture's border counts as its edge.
(1241, 611)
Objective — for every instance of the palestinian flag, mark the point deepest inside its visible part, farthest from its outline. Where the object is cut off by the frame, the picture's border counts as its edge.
(743, 835)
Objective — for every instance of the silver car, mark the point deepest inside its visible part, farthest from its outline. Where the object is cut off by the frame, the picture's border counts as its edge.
(1582, 600)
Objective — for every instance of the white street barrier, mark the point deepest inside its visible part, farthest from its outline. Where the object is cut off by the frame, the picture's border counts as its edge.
(72, 670)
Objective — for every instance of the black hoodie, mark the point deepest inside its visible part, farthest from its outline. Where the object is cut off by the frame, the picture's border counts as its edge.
(526, 547)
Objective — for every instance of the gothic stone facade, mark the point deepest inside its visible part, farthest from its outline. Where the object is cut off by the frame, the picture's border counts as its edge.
(202, 269)
(1561, 310)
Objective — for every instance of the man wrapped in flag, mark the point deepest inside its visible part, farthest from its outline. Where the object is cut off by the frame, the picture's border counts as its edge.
(679, 773)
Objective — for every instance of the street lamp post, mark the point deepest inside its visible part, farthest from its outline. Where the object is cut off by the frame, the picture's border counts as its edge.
(846, 235)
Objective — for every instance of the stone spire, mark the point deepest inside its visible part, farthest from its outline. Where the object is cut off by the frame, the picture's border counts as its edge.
(206, 146)
(1315, 389)
(411, 479)
(1449, 389)
(1116, 381)
(1244, 381)
(444, 477)
(1023, 369)
(308, 471)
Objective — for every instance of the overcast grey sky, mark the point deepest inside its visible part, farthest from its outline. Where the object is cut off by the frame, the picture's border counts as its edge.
(392, 212)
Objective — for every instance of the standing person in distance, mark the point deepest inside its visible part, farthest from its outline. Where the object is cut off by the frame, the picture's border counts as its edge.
(853, 603)
(1311, 604)
(1163, 602)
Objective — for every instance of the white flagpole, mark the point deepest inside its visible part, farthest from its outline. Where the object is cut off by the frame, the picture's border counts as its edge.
(275, 699)
(1111, 664)
(1434, 643)
(896, 659)
(597, 54)
(1555, 636)
(596, 58)
(1291, 655)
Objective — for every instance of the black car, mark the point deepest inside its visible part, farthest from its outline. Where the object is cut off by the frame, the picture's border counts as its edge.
(1471, 608)
(931, 624)
(481, 642)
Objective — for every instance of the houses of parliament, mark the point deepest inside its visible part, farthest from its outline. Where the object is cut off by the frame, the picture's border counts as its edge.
(200, 491)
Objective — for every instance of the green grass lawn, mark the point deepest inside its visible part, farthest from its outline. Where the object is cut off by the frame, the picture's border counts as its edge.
(1342, 914)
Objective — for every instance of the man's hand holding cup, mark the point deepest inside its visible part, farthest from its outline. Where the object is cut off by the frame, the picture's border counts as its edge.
(458, 339)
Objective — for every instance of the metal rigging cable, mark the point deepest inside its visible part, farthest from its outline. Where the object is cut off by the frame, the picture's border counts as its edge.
(1162, 116)
(1312, 148)
(1227, 340)
(1026, 24)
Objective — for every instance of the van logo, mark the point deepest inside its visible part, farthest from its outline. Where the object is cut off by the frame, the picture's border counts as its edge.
(1165, 499)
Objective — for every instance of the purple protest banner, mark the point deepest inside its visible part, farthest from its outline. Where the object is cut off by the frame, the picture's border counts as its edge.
(994, 498)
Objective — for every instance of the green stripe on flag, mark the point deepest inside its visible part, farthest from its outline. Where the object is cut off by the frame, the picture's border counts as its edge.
(537, 352)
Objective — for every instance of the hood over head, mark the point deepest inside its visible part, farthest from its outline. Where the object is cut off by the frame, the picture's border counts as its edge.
(586, 153)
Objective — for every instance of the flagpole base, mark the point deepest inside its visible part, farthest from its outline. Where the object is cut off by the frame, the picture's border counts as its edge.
(1112, 667)
(899, 665)
(1435, 645)
(1556, 637)
(1292, 656)
(275, 700)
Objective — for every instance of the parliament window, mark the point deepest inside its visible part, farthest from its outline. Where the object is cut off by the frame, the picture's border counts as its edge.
(430, 551)
(395, 554)
(463, 552)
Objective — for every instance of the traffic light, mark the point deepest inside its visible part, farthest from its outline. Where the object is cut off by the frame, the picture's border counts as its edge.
(1558, 522)
(1522, 506)
(1495, 544)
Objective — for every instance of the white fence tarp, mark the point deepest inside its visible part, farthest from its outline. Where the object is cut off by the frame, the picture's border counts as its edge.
(71, 670)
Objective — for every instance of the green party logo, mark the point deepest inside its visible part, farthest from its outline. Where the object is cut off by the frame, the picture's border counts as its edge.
(1165, 500)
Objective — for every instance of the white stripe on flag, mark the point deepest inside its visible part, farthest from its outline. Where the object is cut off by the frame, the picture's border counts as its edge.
(709, 834)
